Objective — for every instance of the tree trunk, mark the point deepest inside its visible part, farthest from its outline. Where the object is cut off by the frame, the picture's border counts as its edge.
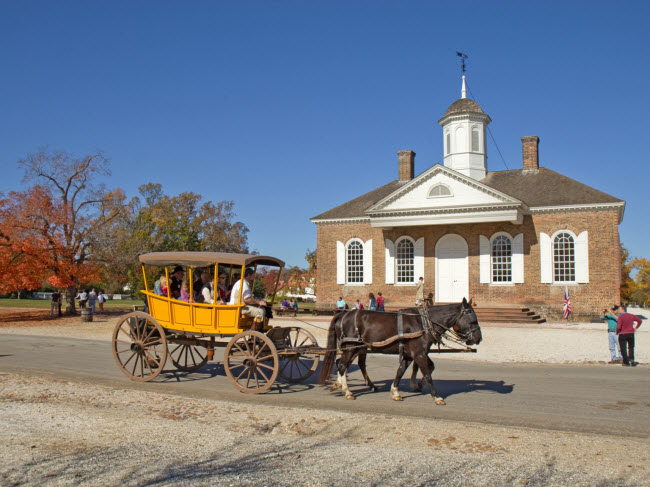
(70, 294)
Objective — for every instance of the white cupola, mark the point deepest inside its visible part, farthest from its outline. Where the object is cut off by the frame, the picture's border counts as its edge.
(463, 129)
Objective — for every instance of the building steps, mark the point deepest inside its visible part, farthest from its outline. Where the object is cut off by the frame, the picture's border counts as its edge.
(507, 314)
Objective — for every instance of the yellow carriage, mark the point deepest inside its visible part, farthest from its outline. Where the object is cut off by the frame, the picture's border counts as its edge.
(188, 331)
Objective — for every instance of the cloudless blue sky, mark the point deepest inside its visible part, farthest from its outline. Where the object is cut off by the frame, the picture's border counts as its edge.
(290, 108)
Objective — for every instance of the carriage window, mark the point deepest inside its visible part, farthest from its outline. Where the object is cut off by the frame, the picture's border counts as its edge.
(501, 259)
(405, 263)
(564, 258)
(355, 262)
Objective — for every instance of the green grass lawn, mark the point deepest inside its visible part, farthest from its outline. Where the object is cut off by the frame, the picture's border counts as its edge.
(45, 303)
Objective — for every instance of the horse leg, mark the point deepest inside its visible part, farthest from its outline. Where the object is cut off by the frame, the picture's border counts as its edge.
(394, 389)
(415, 386)
(337, 383)
(426, 364)
(362, 366)
(346, 359)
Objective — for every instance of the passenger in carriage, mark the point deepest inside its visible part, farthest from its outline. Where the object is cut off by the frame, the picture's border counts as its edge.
(224, 294)
(176, 282)
(185, 292)
(207, 290)
(197, 285)
(160, 287)
(252, 305)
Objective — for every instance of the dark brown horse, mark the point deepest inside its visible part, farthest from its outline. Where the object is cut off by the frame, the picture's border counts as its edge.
(358, 332)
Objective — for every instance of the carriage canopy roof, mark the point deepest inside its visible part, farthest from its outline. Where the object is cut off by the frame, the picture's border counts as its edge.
(202, 259)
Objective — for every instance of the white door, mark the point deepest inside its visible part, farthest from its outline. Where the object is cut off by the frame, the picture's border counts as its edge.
(452, 270)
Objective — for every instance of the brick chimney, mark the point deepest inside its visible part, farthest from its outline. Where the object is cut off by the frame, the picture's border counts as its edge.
(406, 159)
(530, 148)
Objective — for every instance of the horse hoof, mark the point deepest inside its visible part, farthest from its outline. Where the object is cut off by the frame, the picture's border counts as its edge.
(334, 387)
(440, 401)
(398, 398)
(350, 397)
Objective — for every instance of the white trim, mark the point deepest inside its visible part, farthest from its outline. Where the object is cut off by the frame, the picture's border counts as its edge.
(537, 209)
(367, 262)
(359, 219)
(389, 261)
(418, 259)
(545, 258)
(582, 257)
(485, 252)
(514, 216)
(518, 259)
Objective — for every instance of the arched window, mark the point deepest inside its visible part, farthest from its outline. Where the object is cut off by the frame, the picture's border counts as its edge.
(502, 259)
(405, 261)
(448, 143)
(439, 190)
(475, 147)
(354, 261)
(564, 258)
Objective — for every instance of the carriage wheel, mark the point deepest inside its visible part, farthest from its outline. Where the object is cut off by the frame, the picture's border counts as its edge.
(251, 362)
(299, 366)
(187, 358)
(139, 346)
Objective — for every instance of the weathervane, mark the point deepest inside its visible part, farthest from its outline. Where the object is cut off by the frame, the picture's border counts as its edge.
(462, 57)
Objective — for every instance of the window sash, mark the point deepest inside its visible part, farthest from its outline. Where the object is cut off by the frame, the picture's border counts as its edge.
(502, 259)
(564, 258)
(405, 262)
(354, 267)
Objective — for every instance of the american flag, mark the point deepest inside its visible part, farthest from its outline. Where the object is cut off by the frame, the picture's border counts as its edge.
(567, 303)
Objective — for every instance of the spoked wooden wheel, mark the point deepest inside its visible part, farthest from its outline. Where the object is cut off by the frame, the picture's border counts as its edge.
(139, 346)
(251, 362)
(299, 365)
(187, 358)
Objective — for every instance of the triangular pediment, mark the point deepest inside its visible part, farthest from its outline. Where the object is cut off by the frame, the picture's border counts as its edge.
(441, 188)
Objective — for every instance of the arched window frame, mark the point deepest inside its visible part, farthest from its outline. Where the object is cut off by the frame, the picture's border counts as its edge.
(405, 268)
(448, 142)
(429, 195)
(354, 272)
(571, 263)
(506, 267)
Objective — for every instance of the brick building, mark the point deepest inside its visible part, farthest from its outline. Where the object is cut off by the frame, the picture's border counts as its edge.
(500, 237)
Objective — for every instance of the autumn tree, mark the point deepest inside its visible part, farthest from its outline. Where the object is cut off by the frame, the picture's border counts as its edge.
(47, 232)
(156, 222)
(627, 283)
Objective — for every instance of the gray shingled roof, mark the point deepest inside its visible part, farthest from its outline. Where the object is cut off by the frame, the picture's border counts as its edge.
(545, 188)
(541, 188)
(463, 105)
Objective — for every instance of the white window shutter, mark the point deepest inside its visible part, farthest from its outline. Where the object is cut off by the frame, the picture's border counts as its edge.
(418, 258)
(545, 258)
(484, 259)
(367, 262)
(340, 263)
(390, 261)
(518, 258)
(582, 258)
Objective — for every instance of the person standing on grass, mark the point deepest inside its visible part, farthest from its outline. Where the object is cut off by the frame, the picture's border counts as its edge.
(609, 315)
(92, 298)
(55, 305)
(625, 330)
(100, 301)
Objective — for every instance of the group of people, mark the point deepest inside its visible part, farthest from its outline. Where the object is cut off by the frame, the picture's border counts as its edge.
(620, 330)
(292, 304)
(374, 303)
(92, 299)
(203, 291)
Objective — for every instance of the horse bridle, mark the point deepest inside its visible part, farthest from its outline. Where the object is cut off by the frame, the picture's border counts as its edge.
(462, 336)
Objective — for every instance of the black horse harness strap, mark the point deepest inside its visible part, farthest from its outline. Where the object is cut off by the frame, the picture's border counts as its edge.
(356, 339)
(400, 333)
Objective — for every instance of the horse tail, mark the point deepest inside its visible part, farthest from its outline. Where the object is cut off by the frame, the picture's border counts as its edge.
(330, 355)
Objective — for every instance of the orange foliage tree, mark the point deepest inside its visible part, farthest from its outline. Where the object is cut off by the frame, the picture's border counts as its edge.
(46, 232)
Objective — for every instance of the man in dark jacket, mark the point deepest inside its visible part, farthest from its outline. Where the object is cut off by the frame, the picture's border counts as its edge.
(625, 330)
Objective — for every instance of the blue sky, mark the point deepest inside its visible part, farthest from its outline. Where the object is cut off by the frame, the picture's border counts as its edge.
(290, 108)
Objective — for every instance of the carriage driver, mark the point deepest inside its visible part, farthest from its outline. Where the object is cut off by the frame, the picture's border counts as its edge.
(252, 305)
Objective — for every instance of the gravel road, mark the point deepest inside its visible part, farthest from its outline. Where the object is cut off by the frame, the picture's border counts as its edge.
(55, 432)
